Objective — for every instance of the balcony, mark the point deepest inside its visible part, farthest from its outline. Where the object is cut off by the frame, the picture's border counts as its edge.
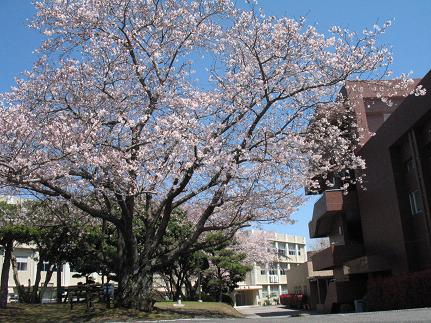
(367, 264)
(336, 256)
(273, 279)
(331, 203)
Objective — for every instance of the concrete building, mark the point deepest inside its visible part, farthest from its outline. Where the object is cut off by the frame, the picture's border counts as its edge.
(313, 284)
(267, 281)
(386, 229)
(26, 265)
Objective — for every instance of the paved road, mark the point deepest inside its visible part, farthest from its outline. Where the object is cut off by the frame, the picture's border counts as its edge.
(266, 311)
(279, 316)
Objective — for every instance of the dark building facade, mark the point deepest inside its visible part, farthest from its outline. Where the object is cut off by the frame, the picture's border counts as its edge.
(384, 229)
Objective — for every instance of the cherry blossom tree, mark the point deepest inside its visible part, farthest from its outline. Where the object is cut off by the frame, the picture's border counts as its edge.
(257, 246)
(114, 120)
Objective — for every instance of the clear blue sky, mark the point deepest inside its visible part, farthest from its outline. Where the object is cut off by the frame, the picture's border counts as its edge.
(409, 38)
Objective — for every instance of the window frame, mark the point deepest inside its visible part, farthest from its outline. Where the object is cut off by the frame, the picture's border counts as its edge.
(21, 264)
(274, 291)
(416, 203)
(292, 251)
(281, 250)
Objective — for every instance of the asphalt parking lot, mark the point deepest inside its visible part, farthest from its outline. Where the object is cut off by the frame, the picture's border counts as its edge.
(282, 314)
(278, 314)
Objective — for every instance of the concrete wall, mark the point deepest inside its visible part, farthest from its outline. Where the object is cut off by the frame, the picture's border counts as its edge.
(304, 280)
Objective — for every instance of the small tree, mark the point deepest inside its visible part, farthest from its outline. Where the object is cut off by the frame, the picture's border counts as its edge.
(184, 273)
(94, 252)
(226, 270)
(188, 266)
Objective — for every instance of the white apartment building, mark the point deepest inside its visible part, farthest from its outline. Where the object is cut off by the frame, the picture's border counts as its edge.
(267, 281)
(26, 265)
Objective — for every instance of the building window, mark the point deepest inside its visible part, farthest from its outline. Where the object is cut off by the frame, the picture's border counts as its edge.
(284, 289)
(21, 264)
(283, 269)
(300, 250)
(292, 249)
(273, 270)
(45, 266)
(281, 249)
(415, 202)
(262, 271)
(274, 291)
(264, 291)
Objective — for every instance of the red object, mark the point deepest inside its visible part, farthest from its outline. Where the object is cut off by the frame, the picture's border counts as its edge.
(293, 300)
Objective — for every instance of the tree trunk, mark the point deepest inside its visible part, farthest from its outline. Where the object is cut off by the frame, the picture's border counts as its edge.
(190, 289)
(169, 285)
(135, 290)
(178, 287)
(46, 282)
(8, 247)
(59, 286)
(34, 292)
(135, 279)
(21, 290)
(220, 294)
(220, 279)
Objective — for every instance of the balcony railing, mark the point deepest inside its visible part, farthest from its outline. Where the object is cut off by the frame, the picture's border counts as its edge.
(273, 279)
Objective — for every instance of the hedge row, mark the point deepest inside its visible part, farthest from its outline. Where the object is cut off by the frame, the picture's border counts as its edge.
(398, 292)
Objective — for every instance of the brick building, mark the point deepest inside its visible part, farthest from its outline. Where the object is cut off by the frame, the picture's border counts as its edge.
(386, 229)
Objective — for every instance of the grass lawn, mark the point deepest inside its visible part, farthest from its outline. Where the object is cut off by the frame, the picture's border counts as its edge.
(209, 309)
(62, 313)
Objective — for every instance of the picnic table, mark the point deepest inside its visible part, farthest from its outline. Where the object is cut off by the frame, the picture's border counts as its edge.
(89, 293)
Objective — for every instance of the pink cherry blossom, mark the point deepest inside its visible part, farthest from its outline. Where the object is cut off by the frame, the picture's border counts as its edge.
(111, 117)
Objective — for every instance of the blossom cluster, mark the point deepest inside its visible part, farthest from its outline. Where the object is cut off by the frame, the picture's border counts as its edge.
(112, 110)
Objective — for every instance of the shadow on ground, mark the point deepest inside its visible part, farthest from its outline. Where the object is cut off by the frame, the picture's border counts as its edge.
(272, 311)
(288, 312)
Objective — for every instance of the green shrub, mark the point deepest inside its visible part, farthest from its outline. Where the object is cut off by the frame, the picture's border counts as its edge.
(207, 298)
(227, 299)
